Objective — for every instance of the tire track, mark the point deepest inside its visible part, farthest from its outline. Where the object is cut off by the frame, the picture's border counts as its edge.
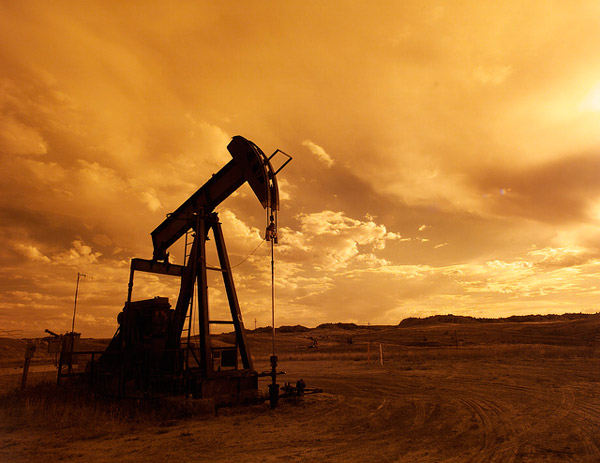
(494, 430)
(520, 410)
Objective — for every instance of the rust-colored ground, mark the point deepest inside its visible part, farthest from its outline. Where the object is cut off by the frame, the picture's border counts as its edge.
(478, 402)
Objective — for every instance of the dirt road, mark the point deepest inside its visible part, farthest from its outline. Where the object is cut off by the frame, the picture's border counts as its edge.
(475, 411)
(442, 410)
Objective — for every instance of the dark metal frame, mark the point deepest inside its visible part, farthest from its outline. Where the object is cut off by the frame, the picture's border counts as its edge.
(196, 271)
(249, 164)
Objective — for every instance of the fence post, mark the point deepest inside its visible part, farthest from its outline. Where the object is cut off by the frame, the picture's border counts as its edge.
(60, 365)
(29, 351)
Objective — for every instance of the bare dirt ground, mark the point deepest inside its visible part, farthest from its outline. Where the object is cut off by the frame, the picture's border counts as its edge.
(483, 402)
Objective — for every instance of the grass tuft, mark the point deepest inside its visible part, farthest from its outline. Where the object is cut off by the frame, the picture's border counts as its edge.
(74, 410)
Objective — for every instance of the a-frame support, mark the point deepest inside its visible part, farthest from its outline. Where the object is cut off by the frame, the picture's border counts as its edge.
(196, 269)
(234, 306)
(202, 288)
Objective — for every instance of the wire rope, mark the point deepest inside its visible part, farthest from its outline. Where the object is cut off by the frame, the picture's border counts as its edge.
(249, 255)
(10, 334)
(246, 258)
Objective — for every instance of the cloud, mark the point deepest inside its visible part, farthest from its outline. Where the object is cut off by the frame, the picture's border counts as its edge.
(238, 231)
(17, 138)
(319, 152)
(557, 191)
(31, 252)
(149, 197)
(553, 258)
(331, 241)
(112, 116)
(79, 256)
(48, 173)
(494, 75)
(285, 188)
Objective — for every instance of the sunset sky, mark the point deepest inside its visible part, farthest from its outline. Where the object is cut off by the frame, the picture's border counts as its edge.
(446, 154)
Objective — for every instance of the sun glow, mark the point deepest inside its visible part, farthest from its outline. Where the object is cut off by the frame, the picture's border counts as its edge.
(591, 102)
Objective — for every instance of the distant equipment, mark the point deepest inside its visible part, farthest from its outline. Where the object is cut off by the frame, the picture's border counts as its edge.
(153, 351)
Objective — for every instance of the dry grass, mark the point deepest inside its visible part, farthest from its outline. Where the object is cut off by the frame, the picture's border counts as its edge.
(499, 352)
(507, 392)
(73, 410)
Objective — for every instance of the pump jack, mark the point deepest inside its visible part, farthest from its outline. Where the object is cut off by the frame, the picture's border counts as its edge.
(148, 354)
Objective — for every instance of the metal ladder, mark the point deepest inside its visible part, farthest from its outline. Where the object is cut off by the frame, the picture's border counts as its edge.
(187, 324)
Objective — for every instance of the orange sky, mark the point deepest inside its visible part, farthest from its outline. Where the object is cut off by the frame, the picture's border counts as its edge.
(446, 155)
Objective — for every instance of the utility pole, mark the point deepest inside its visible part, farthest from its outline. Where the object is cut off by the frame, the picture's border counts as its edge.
(79, 275)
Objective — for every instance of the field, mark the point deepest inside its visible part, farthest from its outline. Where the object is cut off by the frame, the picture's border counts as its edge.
(477, 392)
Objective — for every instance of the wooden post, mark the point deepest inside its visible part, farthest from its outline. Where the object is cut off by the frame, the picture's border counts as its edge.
(29, 351)
(92, 370)
(60, 365)
(72, 337)
(380, 354)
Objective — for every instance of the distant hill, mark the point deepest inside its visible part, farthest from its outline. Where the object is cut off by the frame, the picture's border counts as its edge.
(282, 329)
(344, 326)
(303, 329)
(292, 329)
(442, 319)
(431, 320)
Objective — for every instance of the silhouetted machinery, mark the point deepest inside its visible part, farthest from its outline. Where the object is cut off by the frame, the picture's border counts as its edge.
(153, 351)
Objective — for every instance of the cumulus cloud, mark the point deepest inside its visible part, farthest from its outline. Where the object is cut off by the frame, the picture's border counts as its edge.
(237, 230)
(330, 239)
(80, 256)
(551, 257)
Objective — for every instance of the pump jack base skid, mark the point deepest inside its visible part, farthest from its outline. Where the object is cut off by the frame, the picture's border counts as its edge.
(225, 389)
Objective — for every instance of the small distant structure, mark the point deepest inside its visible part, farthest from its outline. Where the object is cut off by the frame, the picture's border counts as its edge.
(66, 346)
